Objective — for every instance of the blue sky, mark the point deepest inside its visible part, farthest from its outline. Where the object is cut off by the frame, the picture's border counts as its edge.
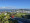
(15, 4)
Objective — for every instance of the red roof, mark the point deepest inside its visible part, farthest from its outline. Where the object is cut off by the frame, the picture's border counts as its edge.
(12, 16)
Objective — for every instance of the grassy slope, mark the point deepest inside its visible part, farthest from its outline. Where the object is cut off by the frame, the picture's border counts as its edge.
(19, 14)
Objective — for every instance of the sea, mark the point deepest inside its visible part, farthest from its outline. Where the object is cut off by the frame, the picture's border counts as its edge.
(7, 10)
(12, 10)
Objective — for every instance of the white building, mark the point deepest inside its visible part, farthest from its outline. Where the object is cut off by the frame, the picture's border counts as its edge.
(23, 11)
(5, 13)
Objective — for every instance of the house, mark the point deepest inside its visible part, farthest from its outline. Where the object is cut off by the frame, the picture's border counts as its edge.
(23, 11)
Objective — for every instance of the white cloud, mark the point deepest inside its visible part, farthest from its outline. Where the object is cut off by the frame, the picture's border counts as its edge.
(9, 7)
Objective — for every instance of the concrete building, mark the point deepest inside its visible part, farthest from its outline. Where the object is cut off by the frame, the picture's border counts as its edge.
(23, 11)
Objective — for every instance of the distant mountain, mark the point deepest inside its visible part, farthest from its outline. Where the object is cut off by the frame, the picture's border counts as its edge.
(14, 9)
